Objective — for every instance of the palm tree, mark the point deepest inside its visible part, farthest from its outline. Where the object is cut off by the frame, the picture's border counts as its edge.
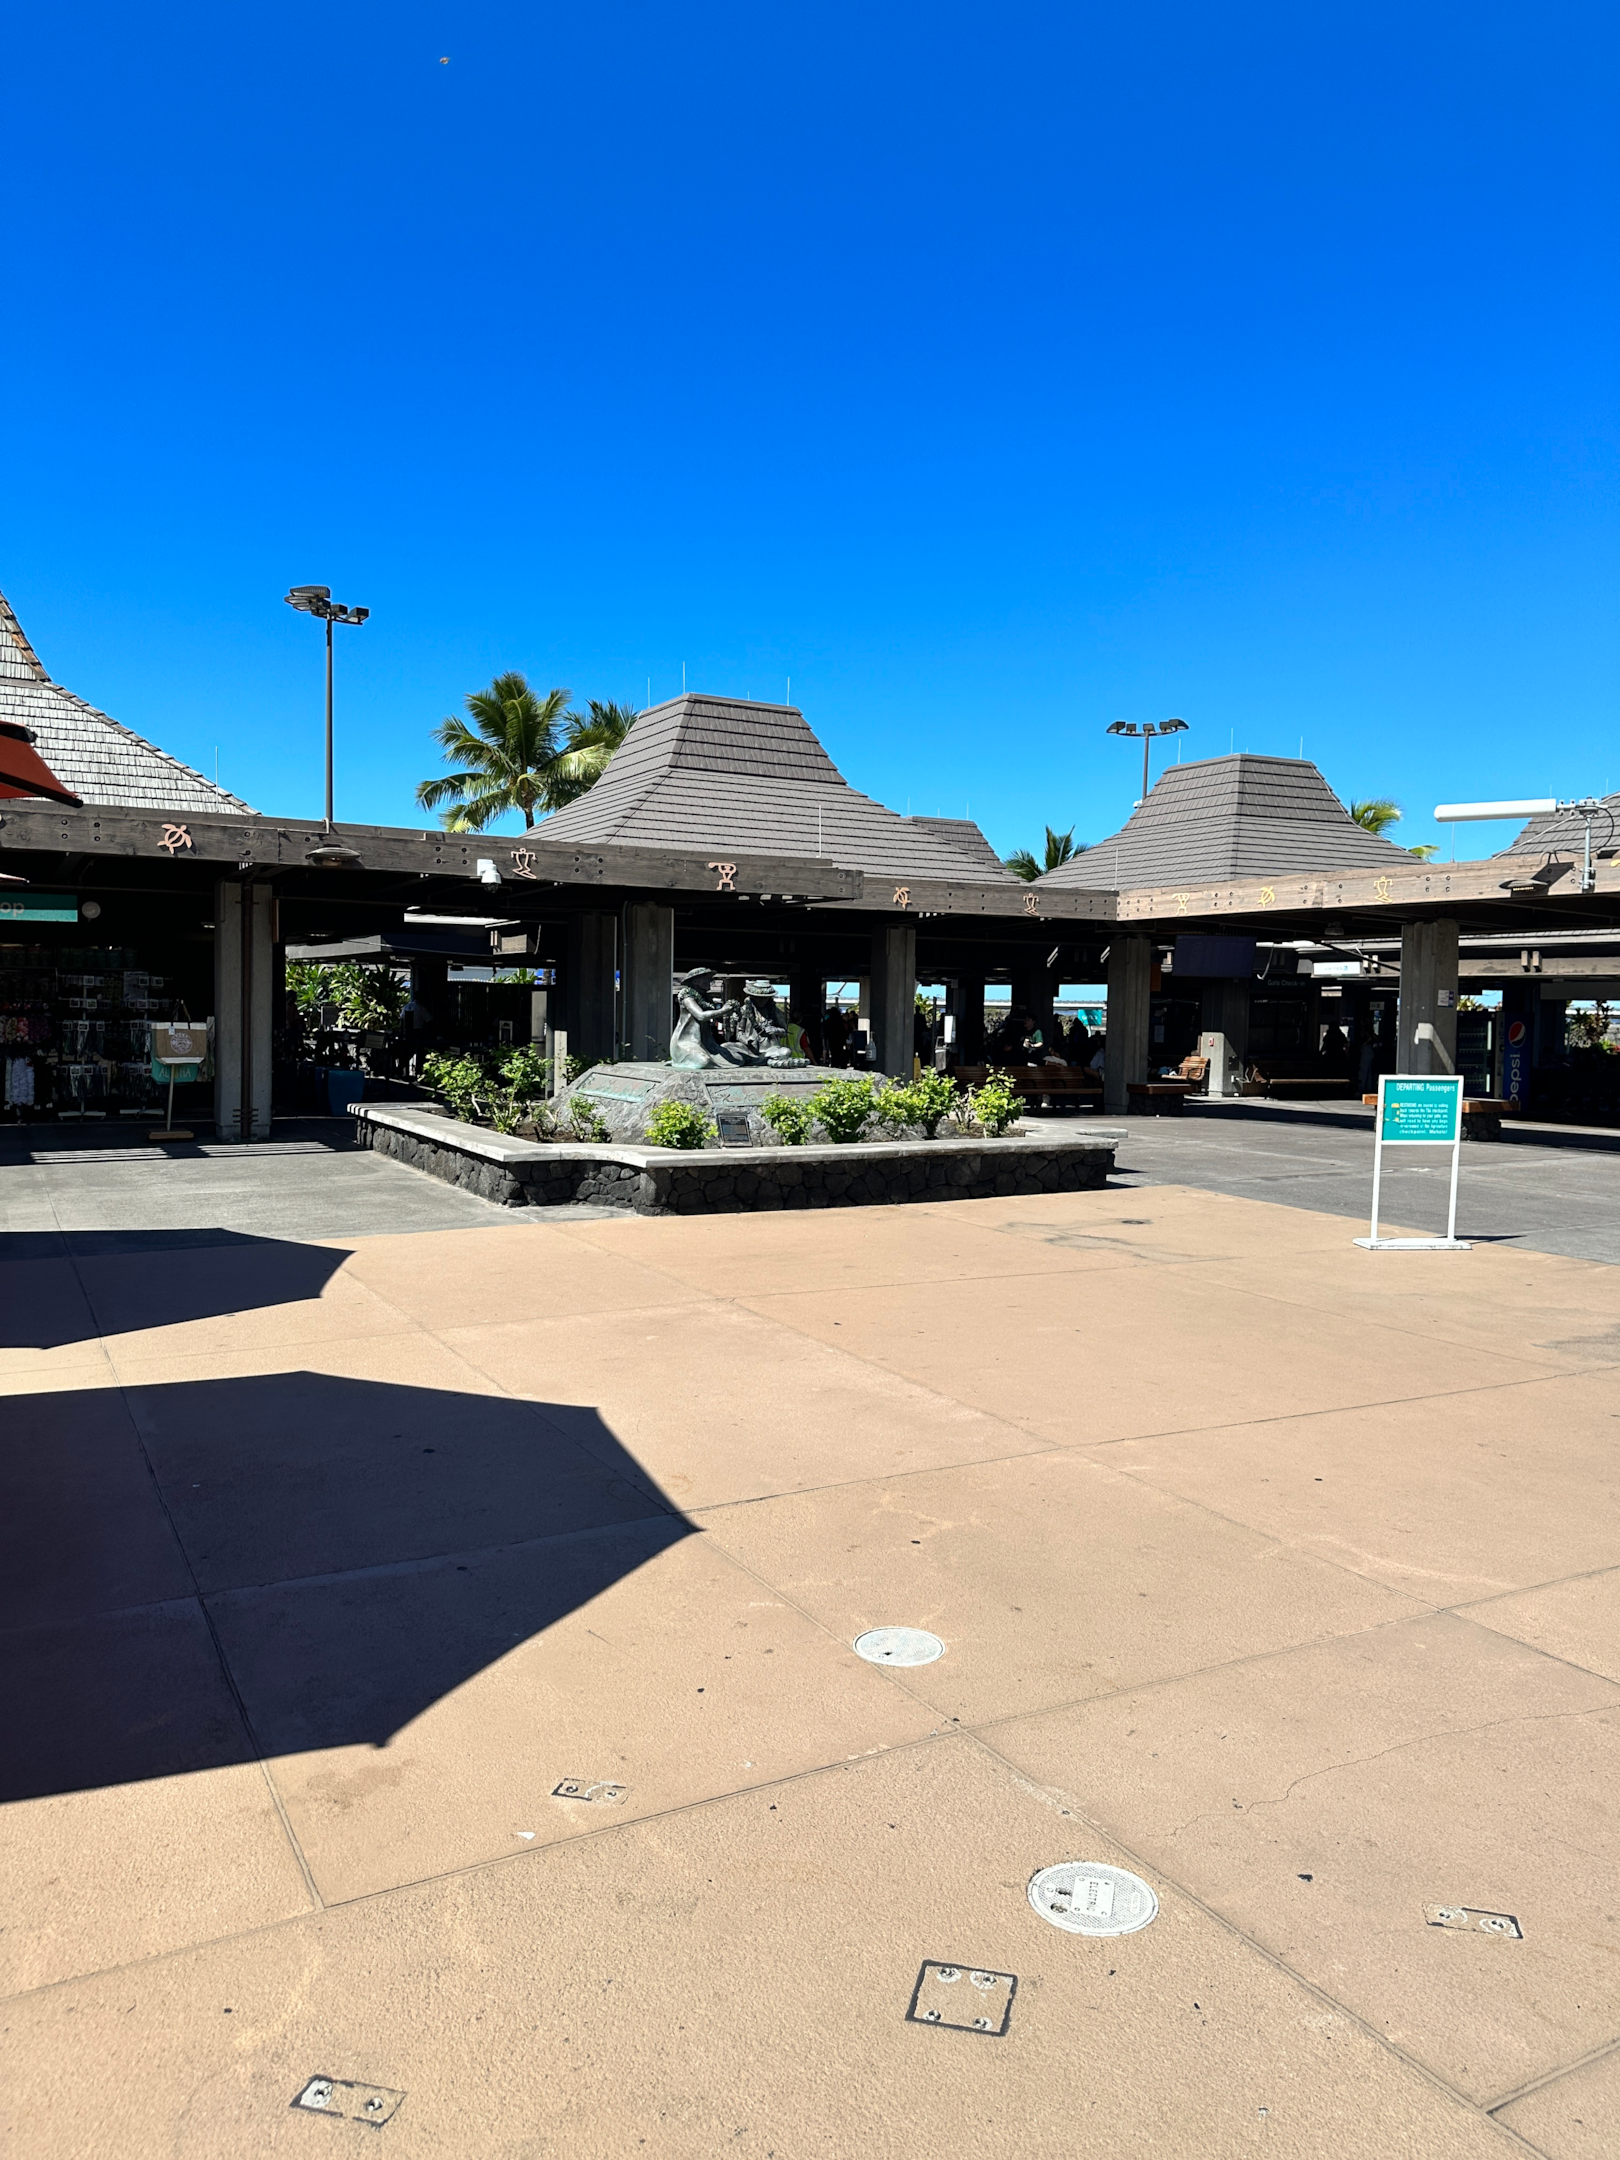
(590, 745)
(510, 759)
(1060, 848)
(1378, 812)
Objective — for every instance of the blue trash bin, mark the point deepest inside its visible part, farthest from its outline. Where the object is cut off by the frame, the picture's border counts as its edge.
(343, 1091)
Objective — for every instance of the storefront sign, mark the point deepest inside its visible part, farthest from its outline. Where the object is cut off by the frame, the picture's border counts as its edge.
(38, 907)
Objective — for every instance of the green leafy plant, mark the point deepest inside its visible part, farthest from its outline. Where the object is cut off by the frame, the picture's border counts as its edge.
(997, 1105)
(679, 1125)
(790, 1117)
(586, 1121)
(922, 1102)
(460, 1080)
(310, 984)
(369, 999)
(844, 1109)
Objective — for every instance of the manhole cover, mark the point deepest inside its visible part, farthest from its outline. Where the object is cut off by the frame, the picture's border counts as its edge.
(898, 1646)
(1087, 1897)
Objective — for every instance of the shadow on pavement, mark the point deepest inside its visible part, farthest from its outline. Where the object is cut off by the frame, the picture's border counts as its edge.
(101, 1286)
(194, 1574)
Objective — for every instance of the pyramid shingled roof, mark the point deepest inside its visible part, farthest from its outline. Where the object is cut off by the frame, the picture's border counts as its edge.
(717, 773)
(100, 759)
(1563, 832)
(1227, 817)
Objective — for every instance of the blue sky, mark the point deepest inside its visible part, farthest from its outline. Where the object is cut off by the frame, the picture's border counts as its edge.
(993, 374)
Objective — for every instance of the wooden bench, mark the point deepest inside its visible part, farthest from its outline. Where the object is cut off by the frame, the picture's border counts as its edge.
(1156, 1098)
(1072, 1084)
(1482, 1115)
(1321, 1084)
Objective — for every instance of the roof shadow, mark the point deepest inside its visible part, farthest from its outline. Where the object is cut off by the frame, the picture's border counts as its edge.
(199, 1573)
(105, 1290)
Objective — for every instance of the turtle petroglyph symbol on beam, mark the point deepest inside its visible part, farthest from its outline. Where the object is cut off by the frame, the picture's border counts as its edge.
(902, 896)
(523, 861)
(175, 836)
(1268, 894)
(1032, 903)
(728, 876)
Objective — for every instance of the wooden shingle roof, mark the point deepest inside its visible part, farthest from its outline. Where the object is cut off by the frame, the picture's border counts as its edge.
(724, 774)
(1228, 817)
(100, 759)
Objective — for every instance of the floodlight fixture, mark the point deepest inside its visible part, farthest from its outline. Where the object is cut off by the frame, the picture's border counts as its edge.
(1147, 729)
(317, 600)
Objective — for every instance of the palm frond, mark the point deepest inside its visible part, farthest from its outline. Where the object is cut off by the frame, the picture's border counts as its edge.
(1023, 864)
(1376, 813)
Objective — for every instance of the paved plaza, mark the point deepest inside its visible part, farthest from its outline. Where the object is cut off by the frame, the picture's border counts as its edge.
(373, 1558)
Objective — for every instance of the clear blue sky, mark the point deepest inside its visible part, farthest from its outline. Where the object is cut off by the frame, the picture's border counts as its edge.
(993, 373)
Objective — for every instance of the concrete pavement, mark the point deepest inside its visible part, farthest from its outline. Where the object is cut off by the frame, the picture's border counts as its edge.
(370, 1598)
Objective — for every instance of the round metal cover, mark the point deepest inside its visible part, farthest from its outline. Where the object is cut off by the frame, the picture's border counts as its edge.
(898, 1646)
(1087, 1897)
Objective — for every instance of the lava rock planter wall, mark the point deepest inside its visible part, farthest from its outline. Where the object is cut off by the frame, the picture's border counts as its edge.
(723, 1181)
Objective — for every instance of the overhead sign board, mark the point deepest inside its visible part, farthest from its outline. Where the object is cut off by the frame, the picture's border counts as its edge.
(38, 907)
(1426, 1110)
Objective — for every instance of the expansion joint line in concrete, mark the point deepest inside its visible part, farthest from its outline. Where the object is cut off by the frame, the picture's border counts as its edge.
(1155, 1871)
(259, 1753)
(1552, 2077)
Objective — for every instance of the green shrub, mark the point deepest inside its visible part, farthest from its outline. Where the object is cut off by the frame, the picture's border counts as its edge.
(997, 1104)
(843, 1108)
(524, 1073)
(790, 1117)
(586, 1121)
(462, 1081)
(921, 1102)
(368, 998)
(678, 1125)
(310, 985)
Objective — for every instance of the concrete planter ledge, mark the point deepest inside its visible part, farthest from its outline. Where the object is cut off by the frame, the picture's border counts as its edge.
(720, 1181)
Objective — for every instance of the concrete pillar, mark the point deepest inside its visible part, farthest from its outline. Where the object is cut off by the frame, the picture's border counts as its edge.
(894, 998)
(1032, 995)
(1225, 1037)
(430, 988)
(1130, 998)
(588, 987)
(1427, 1021)
(244, 1010)
(649, 981)
(967, 1003)
(807, 1001)
(1515, 1044)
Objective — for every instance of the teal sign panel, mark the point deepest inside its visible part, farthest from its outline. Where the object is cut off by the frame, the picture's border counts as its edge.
(1410, 1111)
(37, 907)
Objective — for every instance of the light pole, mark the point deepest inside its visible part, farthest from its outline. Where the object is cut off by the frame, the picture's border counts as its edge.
(317, 600)
(1147, 731)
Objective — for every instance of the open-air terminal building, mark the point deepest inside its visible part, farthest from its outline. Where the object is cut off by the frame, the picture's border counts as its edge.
(1239, 907)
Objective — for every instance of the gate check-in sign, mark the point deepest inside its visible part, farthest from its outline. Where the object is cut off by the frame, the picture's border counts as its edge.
(1418, 1111)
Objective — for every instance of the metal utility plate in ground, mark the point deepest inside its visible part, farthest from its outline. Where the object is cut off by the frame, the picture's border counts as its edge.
(1088, 1897)
(898, 1646)
(1474, 1920)
(373, 2104)
(968, 1998)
